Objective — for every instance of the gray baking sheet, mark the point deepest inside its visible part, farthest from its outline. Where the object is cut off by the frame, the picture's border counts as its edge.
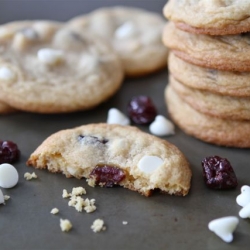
(158, 222)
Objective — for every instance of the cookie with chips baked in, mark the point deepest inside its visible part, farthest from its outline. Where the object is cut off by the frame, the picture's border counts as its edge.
(134, 33)
(109, 154)
(230, 53)
(220, 82)
(48, 68)
(226, 107)
(223, 132)
(213, 17)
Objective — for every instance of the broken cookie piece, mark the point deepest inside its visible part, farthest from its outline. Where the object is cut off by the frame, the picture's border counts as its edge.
(110, 154)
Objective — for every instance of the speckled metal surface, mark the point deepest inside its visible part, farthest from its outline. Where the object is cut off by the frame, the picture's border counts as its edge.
(159, 222)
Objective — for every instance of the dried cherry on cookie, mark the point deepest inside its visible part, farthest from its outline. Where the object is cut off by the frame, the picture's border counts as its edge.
(107, 175)
(141, 110)
(9, 152)
(218, 173)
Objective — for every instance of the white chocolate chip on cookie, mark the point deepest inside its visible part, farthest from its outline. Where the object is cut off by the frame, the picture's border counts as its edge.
(126, 30)
(6, 74)
(149, 163)
(50, 56)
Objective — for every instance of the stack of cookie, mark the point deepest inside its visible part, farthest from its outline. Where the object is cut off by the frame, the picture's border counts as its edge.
(52, 67)
(208, 95)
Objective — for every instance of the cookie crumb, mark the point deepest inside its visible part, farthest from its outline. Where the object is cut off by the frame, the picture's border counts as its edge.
(125, 223)
(90, 205)
(98, 225)
(78, 191)
(65, 194)
(54, 211)
(29, 176)
(65, 225)
(91, 182)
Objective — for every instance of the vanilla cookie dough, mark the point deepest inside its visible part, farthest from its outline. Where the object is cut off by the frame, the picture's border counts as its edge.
(49, 68)
(223, 132)
(213, 17)
(108, 154)
(230, 53)
(134, 33)
(225, 107)
(219, 82)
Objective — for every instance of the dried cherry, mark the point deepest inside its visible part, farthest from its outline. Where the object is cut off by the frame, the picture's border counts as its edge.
(107, 176)
(141, 110)
(9, 152)
(218, 173)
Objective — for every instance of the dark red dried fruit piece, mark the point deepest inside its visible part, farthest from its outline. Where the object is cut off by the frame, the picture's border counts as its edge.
(218, 173)
(9, 152)
(141, 110)
(107, 176)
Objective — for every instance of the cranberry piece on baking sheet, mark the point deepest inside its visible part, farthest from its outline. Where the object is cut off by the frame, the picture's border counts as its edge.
(141, 110)
(9, 152)
(218, 173)
(107, 176)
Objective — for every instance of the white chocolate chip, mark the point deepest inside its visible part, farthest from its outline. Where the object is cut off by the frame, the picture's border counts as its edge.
(245, 211)
(29, 176)
(6, 197)
(149, 163)
(88, 63)
(161, 126)
(224, 227)
(125, 223)
(8, 175)
(2, 200)
(50, 56)
(126, 30)
(243, 198)
(117, 117)
(6, 74)
(29, 33)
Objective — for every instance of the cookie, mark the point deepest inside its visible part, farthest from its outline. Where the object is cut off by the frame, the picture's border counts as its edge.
(134, 33)
(49, 68)
(230, 53)
(6, 109)
(108, 154)
(226, 107)
(214, 17)
(220, 82)
(223, 132)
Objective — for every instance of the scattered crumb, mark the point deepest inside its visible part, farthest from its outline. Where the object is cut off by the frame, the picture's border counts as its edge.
(65, 194)
(78, 202)
(78, 191)
(54, 211)
(6, 197)
(91, 182)
(89, 205)
(65, 225)
(98, 225)
(125, 223)
(29, 176)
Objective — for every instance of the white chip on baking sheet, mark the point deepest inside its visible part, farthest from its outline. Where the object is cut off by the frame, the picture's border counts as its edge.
(161, 126)
(8, 176)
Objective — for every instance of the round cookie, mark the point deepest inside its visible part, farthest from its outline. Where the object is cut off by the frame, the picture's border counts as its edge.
(49, 68)
(210, 129)
(213, 17)
(225, 107)
(134, 33)
(230, 53)
(145, 164)
(221, 82)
